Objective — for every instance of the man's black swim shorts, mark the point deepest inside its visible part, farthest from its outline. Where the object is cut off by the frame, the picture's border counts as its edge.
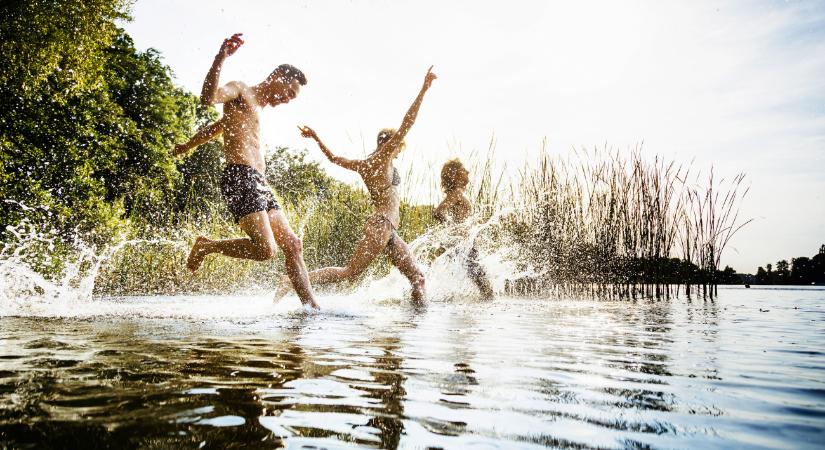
(245, 191)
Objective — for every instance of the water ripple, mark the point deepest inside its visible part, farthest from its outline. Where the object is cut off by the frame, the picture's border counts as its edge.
(154, 372)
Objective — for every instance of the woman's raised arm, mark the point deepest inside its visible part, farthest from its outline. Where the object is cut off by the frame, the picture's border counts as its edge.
(392, 146)
(351, 164)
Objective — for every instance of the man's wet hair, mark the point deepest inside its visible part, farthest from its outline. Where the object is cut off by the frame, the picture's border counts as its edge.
(288, 72)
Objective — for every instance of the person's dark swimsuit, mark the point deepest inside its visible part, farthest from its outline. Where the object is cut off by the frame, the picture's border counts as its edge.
(245, 191)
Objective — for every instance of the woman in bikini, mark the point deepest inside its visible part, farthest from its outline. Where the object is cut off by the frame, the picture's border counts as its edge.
(382, 180)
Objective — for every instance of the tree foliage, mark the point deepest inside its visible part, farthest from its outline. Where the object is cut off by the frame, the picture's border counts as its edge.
(87, 121)
(801, 271)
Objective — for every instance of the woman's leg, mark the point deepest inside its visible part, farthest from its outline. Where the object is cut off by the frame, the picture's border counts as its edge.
(401, 257)
(376, 235)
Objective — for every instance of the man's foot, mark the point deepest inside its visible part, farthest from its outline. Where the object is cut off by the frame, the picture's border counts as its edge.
(198, 252)
(283, 288)
(418, 295)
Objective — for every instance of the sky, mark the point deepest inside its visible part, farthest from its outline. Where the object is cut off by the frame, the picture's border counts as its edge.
(739, 86)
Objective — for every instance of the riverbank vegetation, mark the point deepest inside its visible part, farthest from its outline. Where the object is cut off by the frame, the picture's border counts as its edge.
(802, 270)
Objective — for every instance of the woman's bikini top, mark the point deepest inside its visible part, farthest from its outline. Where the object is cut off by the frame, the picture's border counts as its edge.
(396, 178)
(395, 182)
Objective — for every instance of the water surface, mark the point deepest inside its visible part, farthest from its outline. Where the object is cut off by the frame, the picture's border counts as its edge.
(746, 370)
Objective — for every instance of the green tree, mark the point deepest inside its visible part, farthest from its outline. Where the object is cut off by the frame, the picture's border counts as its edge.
(52, 98)
(86, 121)
(762, 276)
(154, 114)
(801, 270)
(783, 272)
(293, 177)
(198, 192)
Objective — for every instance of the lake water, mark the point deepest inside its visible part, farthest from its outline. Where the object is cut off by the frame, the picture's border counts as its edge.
(744, 371)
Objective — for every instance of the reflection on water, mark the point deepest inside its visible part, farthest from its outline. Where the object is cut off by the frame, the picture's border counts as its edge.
(209, 372)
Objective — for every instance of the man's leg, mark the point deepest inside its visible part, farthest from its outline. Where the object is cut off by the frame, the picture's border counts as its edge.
(479, 275)
(402, 257)
(293, 250)
(259, 246)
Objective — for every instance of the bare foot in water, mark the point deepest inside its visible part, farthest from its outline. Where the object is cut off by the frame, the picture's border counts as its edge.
(197, 253)
(284, 286)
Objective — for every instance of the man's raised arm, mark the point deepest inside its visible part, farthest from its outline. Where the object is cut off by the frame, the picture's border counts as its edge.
(210, 93)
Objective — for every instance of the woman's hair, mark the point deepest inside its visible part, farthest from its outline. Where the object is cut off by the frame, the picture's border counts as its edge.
(385, 135)
(448, 174)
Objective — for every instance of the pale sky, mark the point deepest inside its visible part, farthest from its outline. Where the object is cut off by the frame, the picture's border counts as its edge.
(736, 85)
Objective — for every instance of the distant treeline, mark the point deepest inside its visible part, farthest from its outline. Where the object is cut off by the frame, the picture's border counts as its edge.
(802, 270)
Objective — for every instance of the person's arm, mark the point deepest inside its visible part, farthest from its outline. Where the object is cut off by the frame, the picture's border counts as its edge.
(392, 146)
(440, 213)
(203, 136)
(211, 93)
(351, 164)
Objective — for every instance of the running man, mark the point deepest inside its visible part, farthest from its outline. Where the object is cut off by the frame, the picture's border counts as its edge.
(244, 188)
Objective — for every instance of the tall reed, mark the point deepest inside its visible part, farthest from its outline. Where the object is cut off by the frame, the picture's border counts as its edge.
(602, 222)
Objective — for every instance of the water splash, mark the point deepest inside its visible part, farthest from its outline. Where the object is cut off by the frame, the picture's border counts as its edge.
(443, 253)
(33, 280)
(41, 275)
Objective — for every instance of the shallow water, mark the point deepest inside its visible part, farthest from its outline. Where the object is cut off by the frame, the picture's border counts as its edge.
(214, 372)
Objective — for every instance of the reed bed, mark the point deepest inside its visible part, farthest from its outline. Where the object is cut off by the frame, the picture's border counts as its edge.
(606, 223)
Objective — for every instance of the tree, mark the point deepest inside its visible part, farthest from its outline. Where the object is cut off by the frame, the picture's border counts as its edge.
(154, 114)
(52, 97)
(293, 177)
(199, 193)
(762, 276)
(87, 121)
(783, 273)
(728, 276)
(801, 272)
(818, 267)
